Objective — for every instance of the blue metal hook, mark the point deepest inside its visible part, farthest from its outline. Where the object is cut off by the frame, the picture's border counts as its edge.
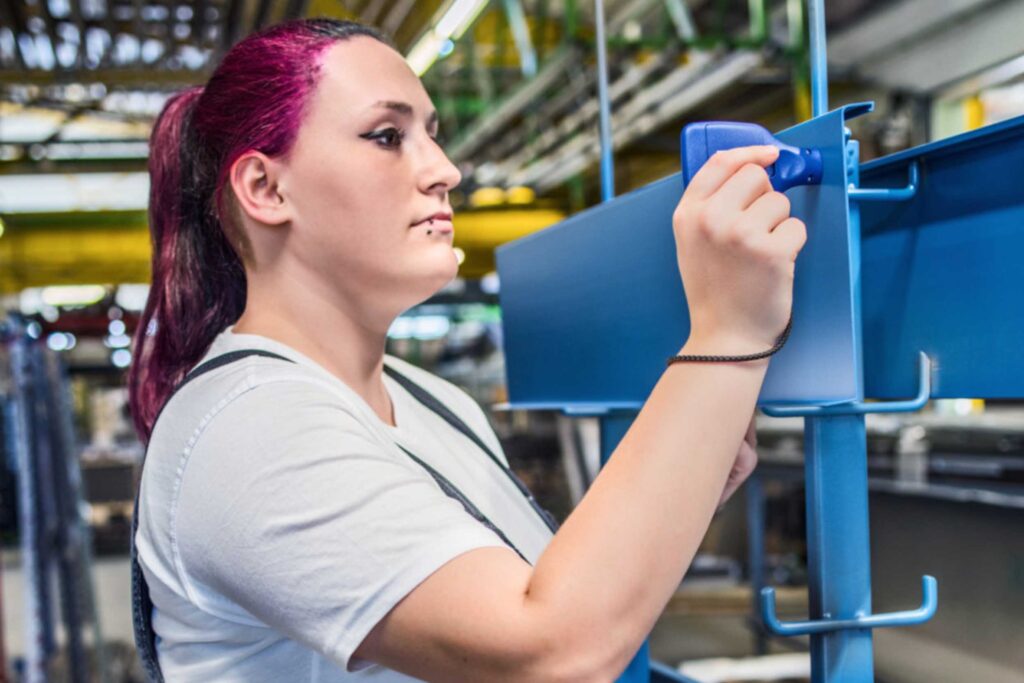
(929, 603)
(859, 408)
(888, 194)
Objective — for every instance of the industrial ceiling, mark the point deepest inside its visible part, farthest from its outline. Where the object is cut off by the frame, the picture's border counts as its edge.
(82, 80)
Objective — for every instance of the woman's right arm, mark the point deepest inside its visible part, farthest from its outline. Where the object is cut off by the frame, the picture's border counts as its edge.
(595, 593)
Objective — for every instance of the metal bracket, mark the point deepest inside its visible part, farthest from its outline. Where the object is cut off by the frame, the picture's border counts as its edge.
(860, 408)
(889, 194)
(929, 603)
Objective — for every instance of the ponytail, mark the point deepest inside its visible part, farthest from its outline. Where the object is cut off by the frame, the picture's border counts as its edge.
(198, 282)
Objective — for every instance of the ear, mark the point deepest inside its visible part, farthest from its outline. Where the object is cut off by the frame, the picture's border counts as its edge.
(254, 178)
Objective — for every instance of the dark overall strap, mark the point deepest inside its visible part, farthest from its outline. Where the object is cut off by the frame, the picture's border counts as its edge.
(142, 605)
(430, 401)
(452, 491)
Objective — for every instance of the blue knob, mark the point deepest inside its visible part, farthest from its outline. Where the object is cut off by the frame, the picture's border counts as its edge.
(795, 165)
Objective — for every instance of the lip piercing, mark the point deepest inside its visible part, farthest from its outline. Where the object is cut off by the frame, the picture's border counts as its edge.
(430, 232)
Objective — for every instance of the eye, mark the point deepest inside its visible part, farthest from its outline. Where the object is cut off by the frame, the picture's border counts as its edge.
(389, 138)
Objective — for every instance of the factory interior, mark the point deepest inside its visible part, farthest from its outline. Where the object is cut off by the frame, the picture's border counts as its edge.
(885, 518)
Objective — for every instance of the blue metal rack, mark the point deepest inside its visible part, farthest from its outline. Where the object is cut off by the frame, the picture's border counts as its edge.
(907, 289)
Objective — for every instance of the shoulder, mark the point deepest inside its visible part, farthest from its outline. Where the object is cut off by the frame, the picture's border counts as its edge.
(255, 397)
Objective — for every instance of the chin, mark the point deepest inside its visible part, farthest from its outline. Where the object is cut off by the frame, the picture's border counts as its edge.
(438, 278)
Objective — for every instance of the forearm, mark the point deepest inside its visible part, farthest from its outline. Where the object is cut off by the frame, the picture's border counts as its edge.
(612, 567)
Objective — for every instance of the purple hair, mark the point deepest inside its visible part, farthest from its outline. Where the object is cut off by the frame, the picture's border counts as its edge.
(255, 100)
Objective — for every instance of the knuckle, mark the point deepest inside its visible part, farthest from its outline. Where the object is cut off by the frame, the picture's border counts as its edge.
(783, 201)
(753, 171)
(799, 229)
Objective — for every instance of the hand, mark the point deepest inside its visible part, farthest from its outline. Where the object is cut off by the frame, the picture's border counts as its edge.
(737, 247)
(746, 461)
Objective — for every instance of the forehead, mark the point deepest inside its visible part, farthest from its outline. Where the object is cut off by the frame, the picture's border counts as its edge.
(361, 71)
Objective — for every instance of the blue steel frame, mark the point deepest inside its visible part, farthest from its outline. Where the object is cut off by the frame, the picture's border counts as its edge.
(952, 208)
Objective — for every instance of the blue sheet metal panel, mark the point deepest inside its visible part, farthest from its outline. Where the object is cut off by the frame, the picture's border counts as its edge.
(821, 361)
(591, 307)
(943, 271)
(594, 305)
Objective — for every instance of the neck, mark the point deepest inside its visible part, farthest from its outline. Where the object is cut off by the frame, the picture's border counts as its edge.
(324, 326)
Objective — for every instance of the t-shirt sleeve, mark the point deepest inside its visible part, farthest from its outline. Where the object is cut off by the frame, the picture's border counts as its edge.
(291, 513)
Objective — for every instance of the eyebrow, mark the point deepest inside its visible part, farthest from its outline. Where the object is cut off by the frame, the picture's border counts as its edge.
(404, 109)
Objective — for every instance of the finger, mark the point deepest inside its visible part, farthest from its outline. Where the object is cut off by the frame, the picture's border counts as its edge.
(789, 237)
(722, 165)
(766, 213)
(739, 192)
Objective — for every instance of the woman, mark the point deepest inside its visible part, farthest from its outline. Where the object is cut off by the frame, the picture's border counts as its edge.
(309, 511)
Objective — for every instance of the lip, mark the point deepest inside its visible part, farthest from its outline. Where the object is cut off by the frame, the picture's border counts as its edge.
(438, 216)
(442, 221)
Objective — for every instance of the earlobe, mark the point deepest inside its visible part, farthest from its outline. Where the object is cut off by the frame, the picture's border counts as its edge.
(253, 178)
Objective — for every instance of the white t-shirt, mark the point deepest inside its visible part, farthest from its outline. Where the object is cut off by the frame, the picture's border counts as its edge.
(279, 521)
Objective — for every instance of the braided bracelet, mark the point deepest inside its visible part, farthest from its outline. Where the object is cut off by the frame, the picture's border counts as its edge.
(737, 359)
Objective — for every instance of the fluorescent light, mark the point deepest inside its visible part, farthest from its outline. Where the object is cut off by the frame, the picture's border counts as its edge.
(425, 53)
(74, 192)
(73, 295)
(459, 16)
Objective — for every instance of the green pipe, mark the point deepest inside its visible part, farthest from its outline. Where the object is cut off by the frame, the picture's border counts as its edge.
(758, 20)
(572, 21)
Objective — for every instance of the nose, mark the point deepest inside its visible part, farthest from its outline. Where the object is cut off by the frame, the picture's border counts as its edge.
(439, 173)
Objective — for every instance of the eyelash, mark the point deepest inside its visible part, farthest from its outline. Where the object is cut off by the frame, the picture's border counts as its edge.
(381, 137)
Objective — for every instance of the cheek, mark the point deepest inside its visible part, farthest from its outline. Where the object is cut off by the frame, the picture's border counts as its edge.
(350, 194)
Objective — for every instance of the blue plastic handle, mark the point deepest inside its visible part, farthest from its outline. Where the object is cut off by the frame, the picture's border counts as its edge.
(795, 165)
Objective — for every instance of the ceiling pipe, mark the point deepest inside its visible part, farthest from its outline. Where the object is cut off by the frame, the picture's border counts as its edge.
(396, 17)
(631, 79)
(495, 122)
(698, 83)
(521, 36)
(540, 168)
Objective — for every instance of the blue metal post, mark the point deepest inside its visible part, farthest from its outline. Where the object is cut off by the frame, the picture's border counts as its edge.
(838, 550)
(835, 452)
(604, 107)
(819, 58)
(614, 426)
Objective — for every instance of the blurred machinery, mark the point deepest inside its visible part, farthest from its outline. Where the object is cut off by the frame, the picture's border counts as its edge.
(55, 541)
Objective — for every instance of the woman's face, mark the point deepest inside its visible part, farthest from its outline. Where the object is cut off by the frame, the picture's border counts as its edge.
(364, 180)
